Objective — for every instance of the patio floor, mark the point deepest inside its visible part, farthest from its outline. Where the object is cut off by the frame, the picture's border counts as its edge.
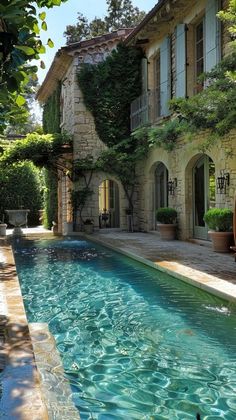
(194, 263)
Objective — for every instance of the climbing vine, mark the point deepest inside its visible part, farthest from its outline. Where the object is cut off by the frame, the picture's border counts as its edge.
(51, 112)
(213, 109)
(51, 124)
(109, 88)
(82, 171)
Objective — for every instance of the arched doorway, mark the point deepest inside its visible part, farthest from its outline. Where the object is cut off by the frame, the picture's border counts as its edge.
(203, 194)
(109, 204)
(161, 183)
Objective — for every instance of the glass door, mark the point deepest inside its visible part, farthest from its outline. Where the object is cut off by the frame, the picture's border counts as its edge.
(204, 194)
(161, 190)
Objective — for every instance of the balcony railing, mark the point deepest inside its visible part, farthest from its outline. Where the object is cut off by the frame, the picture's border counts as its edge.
(139, 111)
(145, 109)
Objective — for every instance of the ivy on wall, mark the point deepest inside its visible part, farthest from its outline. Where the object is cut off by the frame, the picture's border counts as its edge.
(109, 88)
(51, 112)
(51, 124)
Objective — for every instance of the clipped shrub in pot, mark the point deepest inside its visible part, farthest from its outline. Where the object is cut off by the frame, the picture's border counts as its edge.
(167, 218)
(220, 223)
(88, 225)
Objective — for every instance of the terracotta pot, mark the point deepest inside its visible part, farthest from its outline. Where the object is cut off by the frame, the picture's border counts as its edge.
(167, 232)
(88, 229)
(221, 241)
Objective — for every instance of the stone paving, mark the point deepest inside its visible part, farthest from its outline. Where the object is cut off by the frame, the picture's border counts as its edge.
(195, 263)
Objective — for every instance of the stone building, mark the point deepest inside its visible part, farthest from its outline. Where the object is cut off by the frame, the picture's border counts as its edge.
(108, 198)
(180, 40)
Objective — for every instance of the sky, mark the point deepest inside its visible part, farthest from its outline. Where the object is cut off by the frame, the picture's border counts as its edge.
(58, 18)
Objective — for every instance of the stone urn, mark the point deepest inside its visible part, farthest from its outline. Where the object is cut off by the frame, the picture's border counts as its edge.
(18, 218)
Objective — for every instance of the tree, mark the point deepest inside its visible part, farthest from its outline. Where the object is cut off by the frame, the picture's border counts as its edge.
(20, 26)
(229, 17)
(120, 14)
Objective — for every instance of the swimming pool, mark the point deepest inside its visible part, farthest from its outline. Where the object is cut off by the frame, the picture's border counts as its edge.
(135, 343)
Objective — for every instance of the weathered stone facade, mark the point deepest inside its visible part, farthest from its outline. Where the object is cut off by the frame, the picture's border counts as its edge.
(168, 36)
(181, 163)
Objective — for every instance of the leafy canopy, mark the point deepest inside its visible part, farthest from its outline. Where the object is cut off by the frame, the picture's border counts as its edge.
(20, 26)
(120, 14)
(108, 88)
(20, 185)
(43, 150)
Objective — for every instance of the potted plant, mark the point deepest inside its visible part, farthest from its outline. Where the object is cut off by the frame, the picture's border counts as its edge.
(220, 223)
(167, 217)
(88, 226)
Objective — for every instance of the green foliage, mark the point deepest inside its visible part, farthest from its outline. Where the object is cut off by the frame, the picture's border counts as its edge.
(166, 215)
(20, 186)
(109, 88)
(214, 108)
(166, 134)
(50, 199)
(51, 112)
(20, 44)
(45, 151)
(42, 150)
(51, 124)
(229, 16)
(220, 220)
(82, 171)
(84, 29)
(120, 14)
(121, 160)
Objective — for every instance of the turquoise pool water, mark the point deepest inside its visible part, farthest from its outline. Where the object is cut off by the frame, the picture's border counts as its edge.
(135, 343)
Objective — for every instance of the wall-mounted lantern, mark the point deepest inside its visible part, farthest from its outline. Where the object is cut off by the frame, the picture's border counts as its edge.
(222, 182)
(172, 184)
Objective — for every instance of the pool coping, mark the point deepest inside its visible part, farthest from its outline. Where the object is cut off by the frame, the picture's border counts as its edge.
(30, 356)
(22, 397)
(197, 278)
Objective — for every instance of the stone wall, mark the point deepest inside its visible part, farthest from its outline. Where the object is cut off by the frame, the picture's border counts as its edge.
(180, 164)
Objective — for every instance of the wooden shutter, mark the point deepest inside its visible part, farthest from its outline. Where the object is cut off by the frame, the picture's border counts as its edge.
(165, 79)
(144, 75)
(212, 35)
(180, 55)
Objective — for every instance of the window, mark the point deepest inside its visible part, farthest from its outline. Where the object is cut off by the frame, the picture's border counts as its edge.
(199, 52)
(157, 87)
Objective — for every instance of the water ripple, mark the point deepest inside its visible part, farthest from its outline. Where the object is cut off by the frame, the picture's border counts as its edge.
(135, 343)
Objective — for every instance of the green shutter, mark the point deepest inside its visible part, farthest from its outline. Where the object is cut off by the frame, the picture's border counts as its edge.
(180, 55)
(165, 76)
(144, 75)
(212, 35)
